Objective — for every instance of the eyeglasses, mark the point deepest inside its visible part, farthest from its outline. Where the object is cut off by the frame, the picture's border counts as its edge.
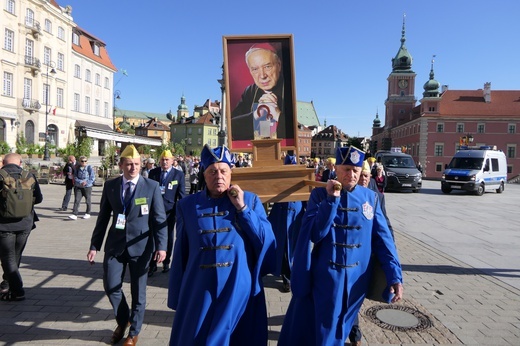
(83, 160)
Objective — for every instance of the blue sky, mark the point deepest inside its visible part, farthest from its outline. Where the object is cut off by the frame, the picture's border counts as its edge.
(343, 49)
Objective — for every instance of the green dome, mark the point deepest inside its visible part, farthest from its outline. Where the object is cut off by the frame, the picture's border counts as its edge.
(402, 60)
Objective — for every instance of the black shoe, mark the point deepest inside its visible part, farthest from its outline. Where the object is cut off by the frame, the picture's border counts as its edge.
(10, 297)
(4, 287)
(61, 209)
(166, 268)
(152, 270)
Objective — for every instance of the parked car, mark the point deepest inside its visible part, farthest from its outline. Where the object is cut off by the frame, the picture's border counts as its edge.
(401, 171)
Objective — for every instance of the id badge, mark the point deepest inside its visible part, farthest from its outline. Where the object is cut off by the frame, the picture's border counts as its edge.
(121, 221)
(144, 209)
(163, 190)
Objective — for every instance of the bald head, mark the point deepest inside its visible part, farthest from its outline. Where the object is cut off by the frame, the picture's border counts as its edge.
(13, 158)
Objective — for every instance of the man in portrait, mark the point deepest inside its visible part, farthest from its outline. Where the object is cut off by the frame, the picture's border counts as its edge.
(260, 111)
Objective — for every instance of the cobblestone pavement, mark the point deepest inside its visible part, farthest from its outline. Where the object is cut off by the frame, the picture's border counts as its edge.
(465, 304)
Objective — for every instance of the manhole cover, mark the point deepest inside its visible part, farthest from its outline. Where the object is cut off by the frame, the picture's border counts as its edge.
(398, 318)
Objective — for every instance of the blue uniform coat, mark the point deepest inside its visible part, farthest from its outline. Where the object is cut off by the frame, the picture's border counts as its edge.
(329, 283)
(286, 220)
(218, 261)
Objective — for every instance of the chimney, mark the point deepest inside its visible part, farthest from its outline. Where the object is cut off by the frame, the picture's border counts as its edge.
(445, 87)
(487, 92)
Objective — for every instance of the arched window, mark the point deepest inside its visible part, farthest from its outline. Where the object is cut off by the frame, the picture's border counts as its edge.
(53, 135)
(29, 132)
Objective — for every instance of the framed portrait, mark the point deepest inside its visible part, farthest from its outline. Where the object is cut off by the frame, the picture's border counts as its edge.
(260, 90)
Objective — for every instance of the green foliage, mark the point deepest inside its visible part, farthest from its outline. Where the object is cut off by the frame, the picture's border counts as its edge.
(32, 148)
(355, 141)
(83, 148)
(4, 148)
(144, 149)
(178, 148)
(21, 143)
(109, 160)
(196, 152)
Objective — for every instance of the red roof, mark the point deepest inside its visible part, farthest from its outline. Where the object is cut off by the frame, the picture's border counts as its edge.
(471, 103)
(86, 50)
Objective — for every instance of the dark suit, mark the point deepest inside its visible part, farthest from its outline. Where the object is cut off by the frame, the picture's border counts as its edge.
(133, 246)
(328, 175)
(174, 189)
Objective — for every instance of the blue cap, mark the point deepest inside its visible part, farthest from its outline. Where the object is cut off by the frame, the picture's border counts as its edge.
(350, 156)
(210, 156)
(289, 160)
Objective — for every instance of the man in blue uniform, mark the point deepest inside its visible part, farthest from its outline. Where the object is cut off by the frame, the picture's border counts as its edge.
(286, 220)
(329, 282)
(134, 208)
(224, 246)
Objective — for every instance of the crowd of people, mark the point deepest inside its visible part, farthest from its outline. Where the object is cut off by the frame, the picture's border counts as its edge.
(226, 242)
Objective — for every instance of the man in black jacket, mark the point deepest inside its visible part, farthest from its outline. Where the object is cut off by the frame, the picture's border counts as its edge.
(68, 172)
(13, 236)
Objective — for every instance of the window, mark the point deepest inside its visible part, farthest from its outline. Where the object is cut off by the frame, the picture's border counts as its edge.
(95, 48)
(481, 128)
(439, 149)
(511, 151)
(460, 128)
(76, 102)
(75, 38)
(29, 48)
(98, 79)
(199, 141)
(48, 26)
(9, 40)
(59, 97)
(97, 105)
(199, 131)
(511, 128)
(87, 104)
(46, 94)
(61, 33)
(509, 169)
(77, 71)
(8, 84)
(189, 141)
(189, 131)
(438, 167)
(105, 110)
(29, 17)
(27, 88)
(440, 127)
(494, 165)
(107, 82)
(60, 62)
(46, 55)
(10, 6)
(87, 75)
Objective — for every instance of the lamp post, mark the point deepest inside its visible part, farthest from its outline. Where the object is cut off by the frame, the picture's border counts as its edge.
(46, 156)
(117, 96)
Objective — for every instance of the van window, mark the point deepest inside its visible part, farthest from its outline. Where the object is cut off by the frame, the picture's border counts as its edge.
(494, 165)
(466, 163)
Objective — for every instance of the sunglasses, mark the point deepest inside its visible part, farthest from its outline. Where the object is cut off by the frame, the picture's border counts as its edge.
(83, 160)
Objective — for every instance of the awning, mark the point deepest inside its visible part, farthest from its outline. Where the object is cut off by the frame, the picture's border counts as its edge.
(100, 131)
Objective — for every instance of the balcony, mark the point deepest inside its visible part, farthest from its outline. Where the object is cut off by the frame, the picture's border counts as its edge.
(31, 105)
(34, 27)
(33, 64)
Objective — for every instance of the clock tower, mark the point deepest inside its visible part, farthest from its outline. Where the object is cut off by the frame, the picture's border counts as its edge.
(401, 85)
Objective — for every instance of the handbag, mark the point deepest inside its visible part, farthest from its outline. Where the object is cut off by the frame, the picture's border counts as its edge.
(378, 289)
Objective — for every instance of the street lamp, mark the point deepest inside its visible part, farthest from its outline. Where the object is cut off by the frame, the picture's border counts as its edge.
(117, 96)
(46, 156)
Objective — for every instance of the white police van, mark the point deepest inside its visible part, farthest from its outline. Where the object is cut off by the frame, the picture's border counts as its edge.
(476, 170)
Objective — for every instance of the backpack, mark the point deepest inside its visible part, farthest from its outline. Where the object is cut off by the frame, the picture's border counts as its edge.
(16, 196)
